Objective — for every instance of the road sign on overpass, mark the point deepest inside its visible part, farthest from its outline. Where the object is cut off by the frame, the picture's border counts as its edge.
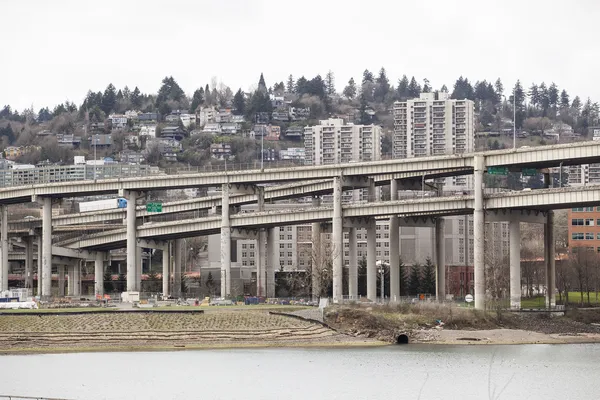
(497, 170)
(154, 207)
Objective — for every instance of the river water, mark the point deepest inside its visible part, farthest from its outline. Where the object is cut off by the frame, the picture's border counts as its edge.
(390, 372)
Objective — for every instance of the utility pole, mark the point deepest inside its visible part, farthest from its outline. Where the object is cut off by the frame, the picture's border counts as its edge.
(515, 117)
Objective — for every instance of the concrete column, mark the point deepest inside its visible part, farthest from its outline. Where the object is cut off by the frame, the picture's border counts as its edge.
(371, 262)
(479, 234)
(316, 256)
(337, 240)
(166, 275)
(261, 244)
(177, 253)
(77, 278)
(29, 263)
(71, 278)
(138, 269)
(4, 247)
(61, 281)
(131, 241)
(371, 249)
(270, 271)
(353, 268)
(225, 243)
(515, 264)
(394, 247)
(550, 251)
(99, 274)
(46, 247)
(39, 265)
(440, 253)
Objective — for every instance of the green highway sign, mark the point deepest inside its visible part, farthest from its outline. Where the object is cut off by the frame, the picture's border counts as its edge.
(497, 170)
(529, 172)
(154, 207)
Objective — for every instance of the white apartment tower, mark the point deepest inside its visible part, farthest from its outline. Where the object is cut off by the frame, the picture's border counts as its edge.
(335, 142)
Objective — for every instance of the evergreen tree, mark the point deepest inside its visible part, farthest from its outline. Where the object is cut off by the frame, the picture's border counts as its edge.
(210, 283)
(119, 95)
(44, 115)
(107, 282)
(414, 281)
(553, 94)
(519, 94)
(414, 89)
(403, 279)
(109, 99)
(330, 83)
(544, 98)
(197, 99)
(365, 118)
(362, 276)
(428, 278)
(169, 90)
(382, 87)
(207, 96)
(350, 89)
(402, 92)
(576, 106)
(463, 89)
(290, 84)
(262, 86)
(126, 92)
(534, 95)
(136, 99)
(239, 102)
(301, 85)
(499, 89)
(444, 89)
(426, 86)
(564, 99)
(367, 77)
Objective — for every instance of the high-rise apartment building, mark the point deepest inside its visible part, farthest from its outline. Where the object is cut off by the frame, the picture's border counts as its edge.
(334, 142)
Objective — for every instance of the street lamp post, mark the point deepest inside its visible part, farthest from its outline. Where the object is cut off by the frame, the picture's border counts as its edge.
(95, 158)
(515, 117)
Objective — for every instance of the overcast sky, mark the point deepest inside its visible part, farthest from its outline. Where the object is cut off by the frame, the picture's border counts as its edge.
(54, 50)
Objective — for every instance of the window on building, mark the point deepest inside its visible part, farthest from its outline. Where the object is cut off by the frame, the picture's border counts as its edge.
(386, 235)
(251, 262)
(346, 236)
(289, 254)
(289, 237)
(378, 235)
(577, 236)
(589, 236)
(252, 254)
(282, 229)
(289, 228)
(386, 253)
(244, 254)
(282, 245)
(378, 254)
(244, 263)
(378, 244)
(281, 254)
(251, 246)
(589, 222)
(244, 246)
(289, 246)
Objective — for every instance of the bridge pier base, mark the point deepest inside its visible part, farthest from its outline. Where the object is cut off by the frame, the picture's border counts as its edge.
(177, 253)
(29, 263)
(99, 274)
(225, 242)
(4, 247)
(440, 253)
(515, 264)
(39, 265)
(353, 267)
(337, 240)
(166, 275)
(131, 197)
(70, 279)
(261, 243)
(61, 280)
(394, 247)
(46, 248)
(550, 253)
(316, 250)
(270, 271)
(371, 249)
(479, 234)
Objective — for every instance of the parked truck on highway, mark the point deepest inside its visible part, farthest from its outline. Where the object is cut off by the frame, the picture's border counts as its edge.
(98, 205)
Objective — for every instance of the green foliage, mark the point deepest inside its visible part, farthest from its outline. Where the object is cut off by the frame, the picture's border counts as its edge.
(362, 276)
(428, 278)
(121, 285)
(414, 281)
(463, 89)
(364, 117)
(262, 86)
(258, 102)
(108, 282)
(402, 92)
(109, 99)
(330, 83)
(403, 279)
(426, 86)
(414, 89)
(8, 132)
(197, 99)
(239, 103)
(136, 98)
(210, 283)
(290, 84)
(367, 77)
(350, 90)
(382, 87)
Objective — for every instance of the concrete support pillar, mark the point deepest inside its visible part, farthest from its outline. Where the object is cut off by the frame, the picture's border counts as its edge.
(39, 265)
(371, 249)
(71, 278)
(29, 263)
(46, 247)
(337, 240)
(77, 279)
(61, 281)
(177, 255)
(131, 241)
(138, 268)
(479, 234)
(166, 274)
(316, 256)
(270, 271)
(261, 248)
(99, 274)
(440, 253)
(3, 247)
(225, 243)
(550, 251)
(371, 261)
(394, 247)
(515, 264)
(353, 267)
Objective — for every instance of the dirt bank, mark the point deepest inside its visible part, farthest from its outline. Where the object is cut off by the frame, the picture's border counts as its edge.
(447, 324)
(162, 331)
